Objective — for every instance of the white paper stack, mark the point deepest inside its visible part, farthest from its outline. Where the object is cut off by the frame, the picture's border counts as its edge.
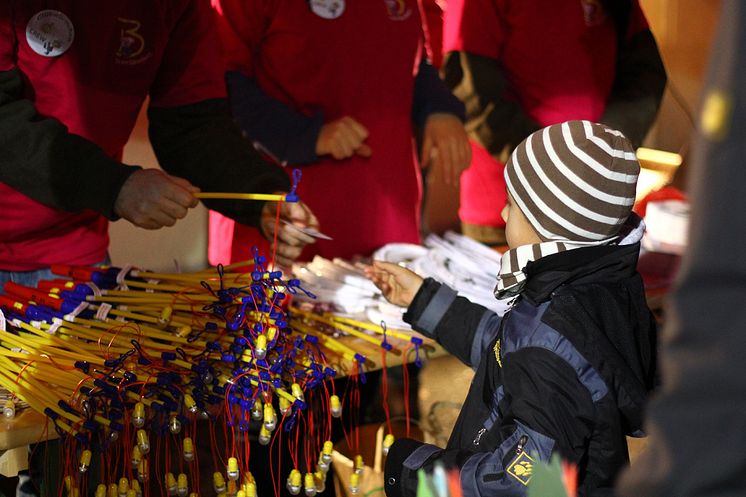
(463, 264)
(667, 227)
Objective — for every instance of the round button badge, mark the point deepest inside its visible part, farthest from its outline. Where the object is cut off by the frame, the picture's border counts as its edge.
(50, 33)
(328, 9)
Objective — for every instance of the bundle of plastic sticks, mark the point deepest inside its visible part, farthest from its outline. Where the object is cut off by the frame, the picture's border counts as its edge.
(124, 362)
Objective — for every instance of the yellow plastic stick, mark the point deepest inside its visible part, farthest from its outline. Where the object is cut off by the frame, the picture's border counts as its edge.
(372, 327)
(240, 196)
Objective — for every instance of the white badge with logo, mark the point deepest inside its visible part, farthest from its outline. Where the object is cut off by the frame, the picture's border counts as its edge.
(328, 9)
(50, 33)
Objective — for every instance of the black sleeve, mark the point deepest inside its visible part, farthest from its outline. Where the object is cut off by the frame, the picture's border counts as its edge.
(432, 96)
(287, 136)
(460, 326)
(40, 158)
(548, 411)
(638, 88)
(493, 119)
(200, 143)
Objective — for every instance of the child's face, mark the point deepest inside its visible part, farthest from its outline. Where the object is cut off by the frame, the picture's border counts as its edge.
(518, 230)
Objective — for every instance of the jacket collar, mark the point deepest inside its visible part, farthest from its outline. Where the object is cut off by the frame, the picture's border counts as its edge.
(578, 266)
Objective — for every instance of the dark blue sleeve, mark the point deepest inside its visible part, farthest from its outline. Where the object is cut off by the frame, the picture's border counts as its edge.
(431, 96)
(286, 136)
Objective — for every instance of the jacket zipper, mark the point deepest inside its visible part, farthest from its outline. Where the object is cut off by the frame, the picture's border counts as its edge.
(521, 443)
(479, 436)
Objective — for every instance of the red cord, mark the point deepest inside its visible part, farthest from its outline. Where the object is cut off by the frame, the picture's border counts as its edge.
(405, 377)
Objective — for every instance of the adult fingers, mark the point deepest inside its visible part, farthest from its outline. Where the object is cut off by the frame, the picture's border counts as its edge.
(364, 150)
(360, 131)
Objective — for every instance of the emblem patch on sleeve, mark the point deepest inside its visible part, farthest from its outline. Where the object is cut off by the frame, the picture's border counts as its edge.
(497, 353)
(522, 468)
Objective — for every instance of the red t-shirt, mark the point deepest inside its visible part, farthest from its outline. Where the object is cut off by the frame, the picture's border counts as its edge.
(559, 58)
(121, 52)
(360, 63)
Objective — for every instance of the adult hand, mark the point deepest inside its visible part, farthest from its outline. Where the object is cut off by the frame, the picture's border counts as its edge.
(446, 145)
(152, 199)
(290, 239)
(399, 285)
(342, 139)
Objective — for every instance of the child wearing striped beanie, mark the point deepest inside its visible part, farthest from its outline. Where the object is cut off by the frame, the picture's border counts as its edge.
(568, 369)
(570, 185)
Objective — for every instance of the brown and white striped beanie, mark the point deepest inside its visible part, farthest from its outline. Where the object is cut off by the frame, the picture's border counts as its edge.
(575, 183)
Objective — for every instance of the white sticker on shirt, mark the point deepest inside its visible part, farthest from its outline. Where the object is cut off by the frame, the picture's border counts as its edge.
(50, 33)
(328, 9)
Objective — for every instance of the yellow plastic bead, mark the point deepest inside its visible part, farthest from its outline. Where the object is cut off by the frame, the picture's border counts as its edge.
(264, 435)
(260, 347)
(218, 482)
(171, 483)
(257, 412)
(294, 482)
(135, 485)
(182, 486)
(335, 406)
(142, 441)
(359, 464)
(270, 419)
(136, 456)
(309, 485)
(388, 441)
(138, 415)
(100, 490)
(165, 316)
(320, 479)
(190, 404)
(232, 468)
(326, 451)
(124, 486)
(188, 449)
(251, 489)
(296, 390)
(113, 490)
(85, 461)
(354, 483)
(174, 425)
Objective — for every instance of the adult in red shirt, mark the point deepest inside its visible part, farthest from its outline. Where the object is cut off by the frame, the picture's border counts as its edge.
(337, 87)
(520, 65)
(73, 76)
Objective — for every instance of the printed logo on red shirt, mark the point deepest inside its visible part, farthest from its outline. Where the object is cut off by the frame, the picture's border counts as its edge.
(50, 33)
(131, 43)
(398, 9)
(593, 12)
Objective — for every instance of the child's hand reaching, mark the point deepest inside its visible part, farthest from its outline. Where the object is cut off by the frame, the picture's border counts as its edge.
(399, 285)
